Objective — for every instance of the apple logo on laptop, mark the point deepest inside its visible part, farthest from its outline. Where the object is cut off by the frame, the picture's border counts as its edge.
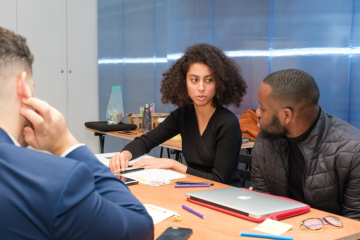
(244, 197)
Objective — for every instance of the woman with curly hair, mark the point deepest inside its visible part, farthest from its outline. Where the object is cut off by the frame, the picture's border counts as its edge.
(199, 83)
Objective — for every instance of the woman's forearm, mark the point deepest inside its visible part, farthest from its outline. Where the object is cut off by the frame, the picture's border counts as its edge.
(179, 167)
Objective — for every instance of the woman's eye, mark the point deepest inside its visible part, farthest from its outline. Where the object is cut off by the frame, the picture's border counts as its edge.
(194, 80)
(209, 80)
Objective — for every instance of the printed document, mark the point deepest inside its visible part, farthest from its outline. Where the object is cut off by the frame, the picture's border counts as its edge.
(158, 214)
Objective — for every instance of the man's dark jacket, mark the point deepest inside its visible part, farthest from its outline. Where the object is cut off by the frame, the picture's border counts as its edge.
(331, 179)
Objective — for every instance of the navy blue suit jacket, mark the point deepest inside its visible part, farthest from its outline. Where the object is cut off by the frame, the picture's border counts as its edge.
(44, 196)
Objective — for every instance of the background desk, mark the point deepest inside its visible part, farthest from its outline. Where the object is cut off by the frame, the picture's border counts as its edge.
(219, 225)
(171, 144)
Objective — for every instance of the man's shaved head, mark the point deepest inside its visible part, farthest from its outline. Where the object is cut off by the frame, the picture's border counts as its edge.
(293, 87)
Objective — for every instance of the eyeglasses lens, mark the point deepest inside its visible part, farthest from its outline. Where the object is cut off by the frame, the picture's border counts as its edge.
(313, 224)
(333, 221)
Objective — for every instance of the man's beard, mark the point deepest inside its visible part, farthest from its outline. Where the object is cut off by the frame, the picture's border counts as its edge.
(277, 131)
(26, 124)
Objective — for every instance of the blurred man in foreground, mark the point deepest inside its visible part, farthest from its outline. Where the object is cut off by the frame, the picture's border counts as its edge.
(68, 196)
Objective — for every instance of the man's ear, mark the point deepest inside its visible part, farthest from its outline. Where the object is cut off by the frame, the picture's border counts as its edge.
(22, 87)
(288, 115)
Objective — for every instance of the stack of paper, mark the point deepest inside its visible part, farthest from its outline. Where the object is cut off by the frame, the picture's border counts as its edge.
(143, 176)
(104, 158)
(147, 175)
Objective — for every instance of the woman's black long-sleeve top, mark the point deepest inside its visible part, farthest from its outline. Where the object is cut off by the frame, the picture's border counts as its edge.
(212, 155)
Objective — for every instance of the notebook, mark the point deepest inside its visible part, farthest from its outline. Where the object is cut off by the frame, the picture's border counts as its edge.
(248, 203)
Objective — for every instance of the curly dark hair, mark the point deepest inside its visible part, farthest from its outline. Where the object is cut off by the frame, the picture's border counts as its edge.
(230, 86)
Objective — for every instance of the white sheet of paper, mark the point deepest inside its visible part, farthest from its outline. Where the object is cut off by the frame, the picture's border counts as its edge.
(147, 175)
(158, 214)
(273, 227)
(104, 158)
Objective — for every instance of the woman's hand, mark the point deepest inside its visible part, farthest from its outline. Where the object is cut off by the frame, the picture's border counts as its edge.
(160, 163)
(120, 161)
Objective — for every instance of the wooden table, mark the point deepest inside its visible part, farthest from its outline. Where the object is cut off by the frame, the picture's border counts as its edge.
(219, 226)
(170, 144)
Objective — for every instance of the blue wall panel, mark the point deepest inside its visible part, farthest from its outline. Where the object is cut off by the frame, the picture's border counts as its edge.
(333, 90)
(244, 26)
(110, 46)
(354, 78)
(241, 25)
(141, 39)
(189, 22)
(254, 70)
(317, 25)
(311, 24)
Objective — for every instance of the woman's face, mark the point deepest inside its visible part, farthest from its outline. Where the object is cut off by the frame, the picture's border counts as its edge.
(200, 84)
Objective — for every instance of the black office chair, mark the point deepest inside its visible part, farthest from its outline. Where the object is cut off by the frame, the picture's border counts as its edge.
(245, 175)
(172, 151)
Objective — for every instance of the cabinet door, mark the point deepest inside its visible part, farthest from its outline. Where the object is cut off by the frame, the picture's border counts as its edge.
(8, 14)
(83, 64)
(43, 23)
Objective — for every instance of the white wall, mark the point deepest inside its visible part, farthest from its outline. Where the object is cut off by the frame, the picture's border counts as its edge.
(8, 14)
(62, 35)
(43, 23)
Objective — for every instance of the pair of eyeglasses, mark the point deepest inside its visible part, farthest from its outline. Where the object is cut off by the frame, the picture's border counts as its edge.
(315, 224)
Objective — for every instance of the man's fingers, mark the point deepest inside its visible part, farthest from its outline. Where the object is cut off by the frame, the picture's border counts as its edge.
(112, 164)
(30, 138)
(123, 163)
(42, 107)
(35, 119)
(117, 162)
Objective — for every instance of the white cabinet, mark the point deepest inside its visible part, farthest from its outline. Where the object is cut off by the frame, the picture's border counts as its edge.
(43, 23)
(62, 35)
(82, 49)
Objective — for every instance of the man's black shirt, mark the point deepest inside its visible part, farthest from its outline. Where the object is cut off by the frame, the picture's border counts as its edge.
(297, 165)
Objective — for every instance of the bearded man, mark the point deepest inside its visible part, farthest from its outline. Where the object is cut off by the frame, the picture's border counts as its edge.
(302, 152)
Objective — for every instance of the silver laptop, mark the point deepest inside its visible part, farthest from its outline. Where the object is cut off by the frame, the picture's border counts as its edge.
(248, 203)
